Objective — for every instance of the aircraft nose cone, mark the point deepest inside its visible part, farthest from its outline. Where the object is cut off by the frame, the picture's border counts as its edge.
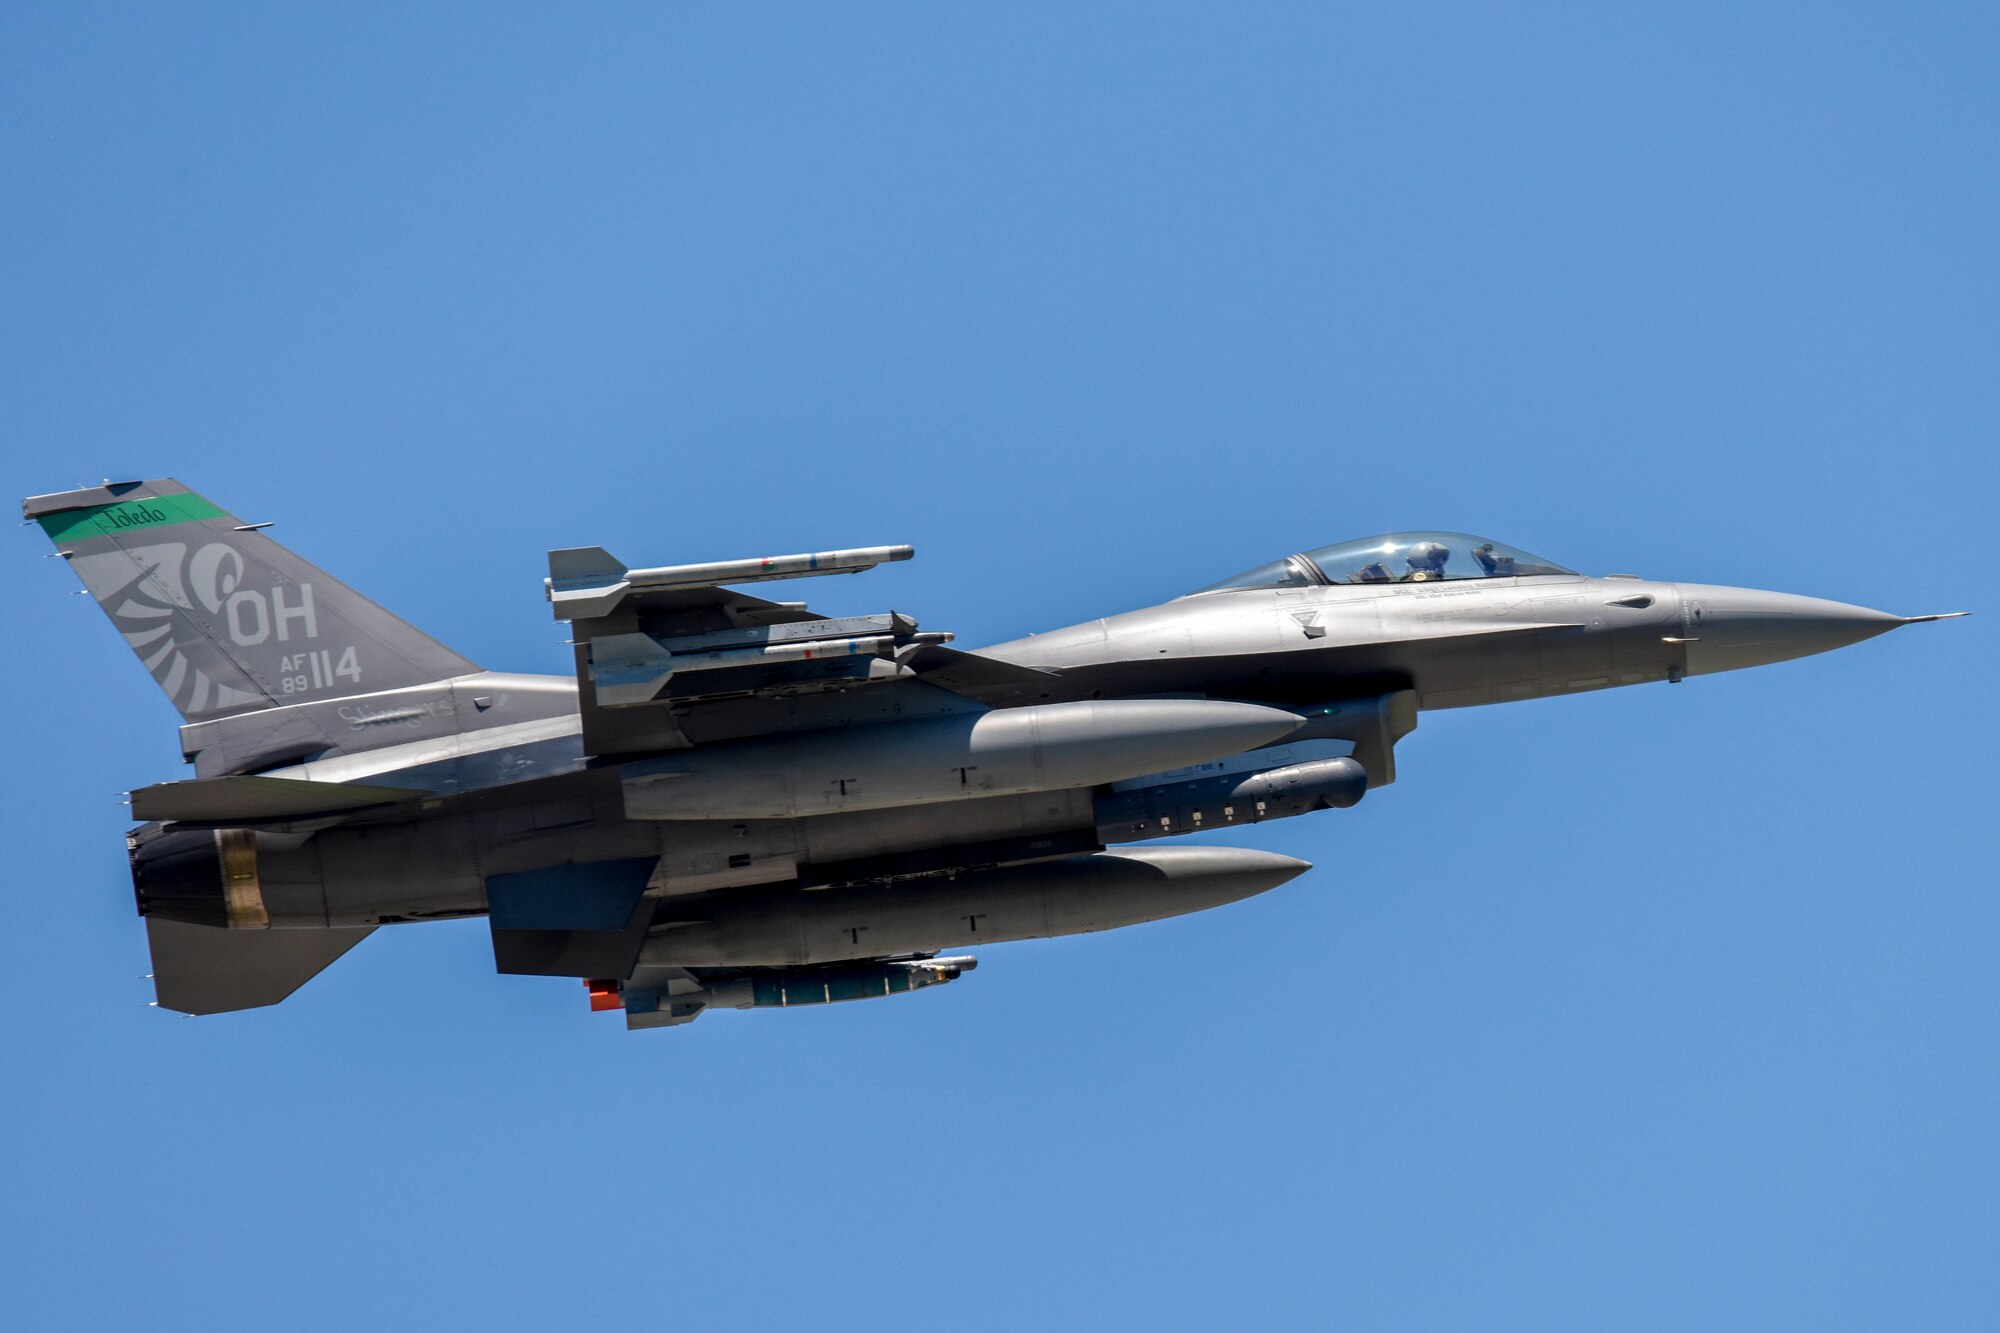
(1728, 628)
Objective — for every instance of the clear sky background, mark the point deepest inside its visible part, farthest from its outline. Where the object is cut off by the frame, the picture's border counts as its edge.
(1670, 1007)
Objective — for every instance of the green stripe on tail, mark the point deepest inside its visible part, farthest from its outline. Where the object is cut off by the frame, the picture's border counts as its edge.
(131, 516)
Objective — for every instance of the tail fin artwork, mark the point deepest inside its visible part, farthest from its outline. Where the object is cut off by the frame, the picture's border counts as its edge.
(225, 619)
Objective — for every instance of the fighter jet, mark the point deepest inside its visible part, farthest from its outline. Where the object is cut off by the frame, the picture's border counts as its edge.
(742, 803)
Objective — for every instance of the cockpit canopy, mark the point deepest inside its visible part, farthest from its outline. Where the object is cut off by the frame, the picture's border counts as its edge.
(1399, 557)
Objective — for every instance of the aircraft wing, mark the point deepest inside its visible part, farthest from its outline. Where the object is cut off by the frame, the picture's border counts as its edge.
(655, 645)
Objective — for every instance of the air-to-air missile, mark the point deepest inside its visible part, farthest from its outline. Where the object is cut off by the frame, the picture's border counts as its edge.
(741, 803)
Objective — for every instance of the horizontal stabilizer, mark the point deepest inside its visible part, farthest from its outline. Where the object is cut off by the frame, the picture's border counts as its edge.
(213, 970)
(251, 800)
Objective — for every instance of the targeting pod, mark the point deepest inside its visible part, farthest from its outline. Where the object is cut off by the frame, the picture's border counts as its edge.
(777, 988)
(1168, 808)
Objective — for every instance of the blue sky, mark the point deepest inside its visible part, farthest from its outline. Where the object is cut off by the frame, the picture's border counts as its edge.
(1671, 1007)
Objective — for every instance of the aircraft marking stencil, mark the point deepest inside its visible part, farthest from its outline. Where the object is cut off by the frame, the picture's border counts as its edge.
(741, 803)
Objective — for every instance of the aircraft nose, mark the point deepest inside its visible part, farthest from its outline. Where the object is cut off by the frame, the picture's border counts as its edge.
(1728, 628)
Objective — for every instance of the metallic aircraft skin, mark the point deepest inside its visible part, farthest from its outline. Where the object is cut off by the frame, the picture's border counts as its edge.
(739, 803)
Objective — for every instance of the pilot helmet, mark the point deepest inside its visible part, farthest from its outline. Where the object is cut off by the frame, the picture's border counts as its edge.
(1428, 555)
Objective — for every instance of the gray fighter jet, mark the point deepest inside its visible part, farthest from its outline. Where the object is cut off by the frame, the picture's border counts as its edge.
(743, 803)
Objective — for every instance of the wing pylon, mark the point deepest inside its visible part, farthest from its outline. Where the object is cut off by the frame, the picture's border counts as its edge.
(652, 643)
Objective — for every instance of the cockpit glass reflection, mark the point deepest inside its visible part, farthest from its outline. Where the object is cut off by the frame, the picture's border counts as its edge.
(1403, 557)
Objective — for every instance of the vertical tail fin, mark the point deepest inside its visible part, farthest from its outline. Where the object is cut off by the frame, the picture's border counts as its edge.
(227, 620)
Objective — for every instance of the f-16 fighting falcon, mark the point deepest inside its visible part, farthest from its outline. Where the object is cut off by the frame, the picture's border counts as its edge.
(743, 803)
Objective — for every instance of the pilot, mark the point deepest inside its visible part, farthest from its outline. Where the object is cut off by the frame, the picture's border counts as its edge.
(1426, 562)
(1496, 566)
(1374, 572)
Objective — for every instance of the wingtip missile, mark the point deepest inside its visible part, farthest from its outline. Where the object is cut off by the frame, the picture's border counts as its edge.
(587, 581)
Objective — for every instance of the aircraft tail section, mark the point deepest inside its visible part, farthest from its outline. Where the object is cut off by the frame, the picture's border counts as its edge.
(225, 619)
